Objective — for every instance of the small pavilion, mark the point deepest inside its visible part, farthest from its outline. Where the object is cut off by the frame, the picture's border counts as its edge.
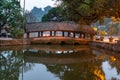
(59, 29)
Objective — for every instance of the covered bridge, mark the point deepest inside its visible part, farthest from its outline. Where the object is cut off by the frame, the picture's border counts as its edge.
(59, 29)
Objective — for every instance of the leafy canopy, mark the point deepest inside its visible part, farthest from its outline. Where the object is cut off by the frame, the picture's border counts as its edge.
(89, 11)
(11, 15)
(55, 14)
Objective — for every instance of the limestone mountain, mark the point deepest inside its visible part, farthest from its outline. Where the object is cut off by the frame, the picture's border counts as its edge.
(39, 12)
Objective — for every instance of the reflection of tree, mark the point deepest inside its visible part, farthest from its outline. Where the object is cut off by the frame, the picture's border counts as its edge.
(112, 57)
(52, 54)
(86, 70)
(80, 71)
(27, 67)
(83, 66)
(114, 61)
(11, 64)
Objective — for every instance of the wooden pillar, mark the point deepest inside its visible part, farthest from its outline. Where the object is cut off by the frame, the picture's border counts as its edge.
(84, 35)
(54, 33)
(41, 33)
(87, 36)
(80, 36)
(68, 34)
(63, 33)
(38, 34)
(91, 37)
(50, 33)
(28, 35)
(74, 34)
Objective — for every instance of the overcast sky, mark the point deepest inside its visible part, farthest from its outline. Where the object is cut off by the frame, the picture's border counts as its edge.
(38, 3)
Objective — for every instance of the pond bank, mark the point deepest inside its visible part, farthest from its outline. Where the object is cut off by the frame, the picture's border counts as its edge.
(46, 40)
(113, 46)
(12, 42)
(60, 41)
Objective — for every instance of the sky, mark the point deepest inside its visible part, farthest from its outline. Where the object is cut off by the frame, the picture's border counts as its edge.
(38, 3)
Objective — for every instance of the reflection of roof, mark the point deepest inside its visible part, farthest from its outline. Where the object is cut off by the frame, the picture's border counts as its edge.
(58, 60)
(56, 26)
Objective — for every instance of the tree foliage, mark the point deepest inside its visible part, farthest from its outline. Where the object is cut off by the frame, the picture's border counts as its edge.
(88, 11)
(11, 15)
(55, 14)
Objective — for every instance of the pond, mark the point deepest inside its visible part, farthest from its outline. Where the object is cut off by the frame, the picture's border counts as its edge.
(55, 62)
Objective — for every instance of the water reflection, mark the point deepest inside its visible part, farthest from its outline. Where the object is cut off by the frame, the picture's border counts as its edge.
(11, 62)
(38, 62)
(107, 68)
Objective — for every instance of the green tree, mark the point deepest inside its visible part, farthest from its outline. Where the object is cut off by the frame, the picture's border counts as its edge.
(55, 14)
(89, 11)
(11, 15)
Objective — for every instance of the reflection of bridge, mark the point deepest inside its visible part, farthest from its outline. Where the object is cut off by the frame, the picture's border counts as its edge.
(62, 58)
(60, 48)
(65, 55)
